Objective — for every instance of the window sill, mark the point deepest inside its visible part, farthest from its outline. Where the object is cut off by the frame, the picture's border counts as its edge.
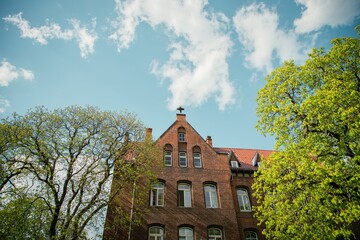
(245, 211)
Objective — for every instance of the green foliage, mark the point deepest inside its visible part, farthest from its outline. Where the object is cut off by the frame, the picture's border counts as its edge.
(65, 159)
(309, 188)
(24, 218)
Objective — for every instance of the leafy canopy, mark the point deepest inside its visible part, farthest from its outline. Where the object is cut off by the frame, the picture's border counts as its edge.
(64, 160)
(309, 188)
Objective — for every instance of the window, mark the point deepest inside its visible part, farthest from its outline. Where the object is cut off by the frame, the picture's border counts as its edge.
(168, 158)
(168, 150)
(197, 160)
(243, 199)
(234, 164)
(197, 157)
(182, 159)
(156, 233)
(181, 134)
(157, 194)
(186, 233)
(210, 196)
(250, 235)
(181, 137)
(184, 195)
(214, 234)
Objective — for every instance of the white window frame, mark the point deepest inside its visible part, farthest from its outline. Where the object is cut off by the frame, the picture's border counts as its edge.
(215, 236)
(184, 195)
(157, 194)
(250, 235)
(186, 233)
(182, 137)
(243, 199)
(167, 154)
(234, 164)
(211, 199)
(197, 160)
(158, 234)
(182, 157)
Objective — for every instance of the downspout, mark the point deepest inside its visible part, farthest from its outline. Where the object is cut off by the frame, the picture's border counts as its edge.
(132, 210)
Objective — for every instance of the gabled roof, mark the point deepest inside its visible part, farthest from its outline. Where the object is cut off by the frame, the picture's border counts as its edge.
(246, 156)
(232, 156)
(187, 123)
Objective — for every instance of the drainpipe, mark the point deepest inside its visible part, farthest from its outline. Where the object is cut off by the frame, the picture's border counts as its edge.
(131, 210)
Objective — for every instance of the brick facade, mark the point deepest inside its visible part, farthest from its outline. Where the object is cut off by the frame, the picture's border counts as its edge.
(215, 172)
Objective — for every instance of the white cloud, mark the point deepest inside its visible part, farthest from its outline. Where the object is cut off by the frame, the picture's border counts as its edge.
(319, 13)
(258, 30)
(197, 66)
(85, 38)
(4, 104)
(9, 73)
(27, 74)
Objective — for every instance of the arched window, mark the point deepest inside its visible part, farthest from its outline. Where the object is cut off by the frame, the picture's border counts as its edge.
(168, 155)
(181, 134)
(186, 233)
(182, 159)
(156, 233)
(184, 195)
(214, 234)
(210, 192)
(197, 157)
(157, 194)
(243, 199)
(250, 235)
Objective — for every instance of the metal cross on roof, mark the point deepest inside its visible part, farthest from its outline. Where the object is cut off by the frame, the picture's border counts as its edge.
(180, 109)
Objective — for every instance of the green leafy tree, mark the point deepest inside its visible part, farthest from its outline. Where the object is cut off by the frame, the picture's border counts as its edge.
(65, 160)
(8, 166)
(309, 188)
(24, 218)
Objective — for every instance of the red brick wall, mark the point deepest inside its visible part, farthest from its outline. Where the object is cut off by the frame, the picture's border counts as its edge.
(245, 220)
(215, 169)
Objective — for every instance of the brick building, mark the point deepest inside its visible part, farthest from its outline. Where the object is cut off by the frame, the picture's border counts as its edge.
(203, 192)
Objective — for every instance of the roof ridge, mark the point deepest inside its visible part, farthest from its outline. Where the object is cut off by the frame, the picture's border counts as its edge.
(233, 148)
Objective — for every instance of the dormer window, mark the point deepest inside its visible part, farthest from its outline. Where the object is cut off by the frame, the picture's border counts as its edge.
(234, 164)
(256, 160)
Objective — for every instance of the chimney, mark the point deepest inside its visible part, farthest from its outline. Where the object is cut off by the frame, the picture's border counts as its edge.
(209, 140)
(126, 137)
(148, 135)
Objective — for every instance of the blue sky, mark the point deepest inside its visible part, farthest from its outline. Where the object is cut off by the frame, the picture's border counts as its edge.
(151, 56)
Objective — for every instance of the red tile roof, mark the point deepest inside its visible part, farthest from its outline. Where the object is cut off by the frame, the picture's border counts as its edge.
(245, 156)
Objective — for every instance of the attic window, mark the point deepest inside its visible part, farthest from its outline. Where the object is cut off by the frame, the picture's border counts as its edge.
(181, 134)
(234, 164)
(181, 137)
